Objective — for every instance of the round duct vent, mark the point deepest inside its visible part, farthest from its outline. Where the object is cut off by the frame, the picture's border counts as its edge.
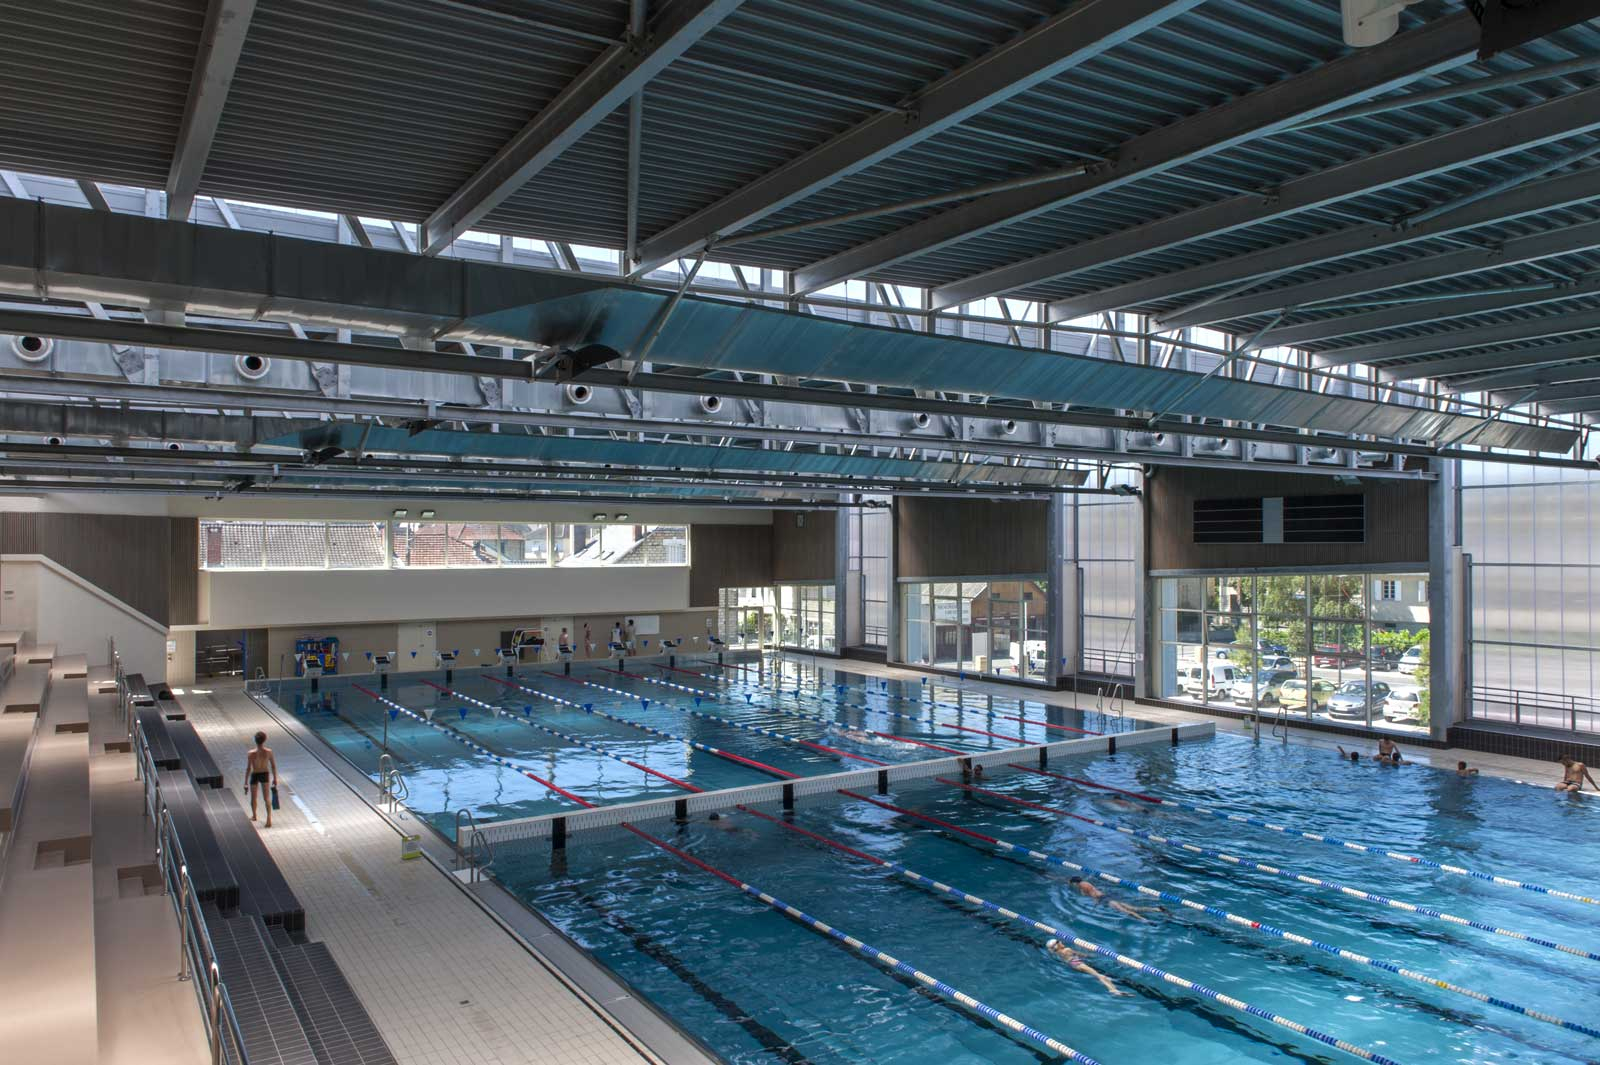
(32, 348)
(252, 367)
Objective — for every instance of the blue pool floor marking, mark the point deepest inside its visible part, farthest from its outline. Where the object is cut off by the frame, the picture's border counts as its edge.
(1220, 914)
(1315, 837)
(1302, 878)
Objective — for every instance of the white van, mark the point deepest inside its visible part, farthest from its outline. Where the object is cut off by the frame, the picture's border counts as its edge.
(1195, 681)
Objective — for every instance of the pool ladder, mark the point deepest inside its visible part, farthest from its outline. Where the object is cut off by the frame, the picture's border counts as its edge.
(1119, 702)
(392, 789)
(474, 852)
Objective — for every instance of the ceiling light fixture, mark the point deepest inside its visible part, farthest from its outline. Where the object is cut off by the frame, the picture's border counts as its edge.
(400, 512)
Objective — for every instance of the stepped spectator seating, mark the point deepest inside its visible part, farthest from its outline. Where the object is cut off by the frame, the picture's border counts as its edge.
(293, 1004)
(25, 690)
(17, 733)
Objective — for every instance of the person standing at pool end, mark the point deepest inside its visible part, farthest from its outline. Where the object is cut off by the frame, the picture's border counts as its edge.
(1075, 962)
(1389, 751)
(261, 770)
(1089, 891)
(1573, 773)
(1463, 771)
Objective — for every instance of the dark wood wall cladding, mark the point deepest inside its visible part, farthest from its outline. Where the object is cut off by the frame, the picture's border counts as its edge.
(1396, 519)
(970, 538)
(131, 558)
(727, 556)
(183, 572)
(805, 552)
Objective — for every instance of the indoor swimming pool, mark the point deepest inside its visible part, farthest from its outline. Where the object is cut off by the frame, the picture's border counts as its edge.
(1246, 930)
(570, 730)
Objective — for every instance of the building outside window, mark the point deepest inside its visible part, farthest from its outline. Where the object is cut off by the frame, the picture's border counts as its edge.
(996, 628)
(1309, 645)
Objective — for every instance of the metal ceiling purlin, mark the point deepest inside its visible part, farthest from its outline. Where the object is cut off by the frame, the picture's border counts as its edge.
(1084, 30)
(1433, 47)
(1536, 125)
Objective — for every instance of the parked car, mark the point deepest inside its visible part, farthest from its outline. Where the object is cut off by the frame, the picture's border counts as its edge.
(1384, 658)
(1201, 682)
(1353, 698)
(1293, 694)
(1331, 656)
(1277, 661)
(1264, 689)
(1411, 661)
(1403, 704)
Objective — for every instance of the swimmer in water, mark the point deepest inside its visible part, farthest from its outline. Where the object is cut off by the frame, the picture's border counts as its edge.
(1462, 770)
(1075, 962)
(1089, 891)
(1389, 751)
(1354, 756)
(723, 823)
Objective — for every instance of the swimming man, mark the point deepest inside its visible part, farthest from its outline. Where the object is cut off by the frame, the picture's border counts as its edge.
(261, 766)
(1462, 770)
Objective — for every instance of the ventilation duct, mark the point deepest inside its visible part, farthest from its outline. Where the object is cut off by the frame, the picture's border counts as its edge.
(711, 404)
(32, 348)
(1009, 427)
(578, 395)
(921, 420)
(252, 367)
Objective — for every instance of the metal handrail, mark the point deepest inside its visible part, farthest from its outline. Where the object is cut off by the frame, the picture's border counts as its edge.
(1539, 705)
(480, 854)
(196, 952)
(464, 841)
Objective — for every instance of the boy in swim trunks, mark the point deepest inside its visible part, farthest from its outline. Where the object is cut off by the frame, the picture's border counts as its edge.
(1573, 773)
(1075, 961)
(261, 767)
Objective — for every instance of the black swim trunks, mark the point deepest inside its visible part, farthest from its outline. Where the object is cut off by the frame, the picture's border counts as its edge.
(260, 778)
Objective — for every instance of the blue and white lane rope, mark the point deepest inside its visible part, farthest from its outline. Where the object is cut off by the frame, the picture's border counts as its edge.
(888, 961)
(1272, 870)
(1332, 841)
(585, 744)
(791, 713)
(466, 741)
(1011, 1024)
(1067, 936)
(697, 745)
(586, 708)
(1237, 919)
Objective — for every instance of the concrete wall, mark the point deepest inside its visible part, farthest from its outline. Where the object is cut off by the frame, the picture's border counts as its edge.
(55, 606)
(271, 598)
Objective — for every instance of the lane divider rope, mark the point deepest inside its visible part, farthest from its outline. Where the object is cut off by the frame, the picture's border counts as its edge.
(1316, 837)
(1272, 870)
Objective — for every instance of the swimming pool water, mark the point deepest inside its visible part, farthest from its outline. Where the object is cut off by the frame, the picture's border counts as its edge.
(758, 987)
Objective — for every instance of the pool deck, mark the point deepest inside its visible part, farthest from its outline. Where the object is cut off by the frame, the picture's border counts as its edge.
(451, 974)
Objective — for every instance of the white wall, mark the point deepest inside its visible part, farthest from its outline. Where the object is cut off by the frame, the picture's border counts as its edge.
(55, 606)
(258, 599)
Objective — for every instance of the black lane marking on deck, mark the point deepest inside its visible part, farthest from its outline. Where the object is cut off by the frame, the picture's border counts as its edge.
(769, 1040)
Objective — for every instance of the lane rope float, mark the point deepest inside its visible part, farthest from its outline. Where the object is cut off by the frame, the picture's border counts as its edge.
(1316, 837)
(1302, 878)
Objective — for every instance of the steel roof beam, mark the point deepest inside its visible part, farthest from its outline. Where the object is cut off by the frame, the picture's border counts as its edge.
(1563, 241)
(1434, 343)
(1416, 314)
(1549, 194)
(607, 83)
(1545, 373)
(221, 41)
(1087, 29)
(1436, 46)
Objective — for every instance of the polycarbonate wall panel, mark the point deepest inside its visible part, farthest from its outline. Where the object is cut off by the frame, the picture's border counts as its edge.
(1108, 532)
(1534, 579)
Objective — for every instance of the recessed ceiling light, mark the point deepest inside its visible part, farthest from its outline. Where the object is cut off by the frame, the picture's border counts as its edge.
(622, 517)
(598, 517)
(427, 513)
(400, 512)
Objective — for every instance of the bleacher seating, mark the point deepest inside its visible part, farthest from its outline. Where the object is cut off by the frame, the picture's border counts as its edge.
(157, 739)
(262, 889)
(26, 689)
(213, 877)
(267, 1019)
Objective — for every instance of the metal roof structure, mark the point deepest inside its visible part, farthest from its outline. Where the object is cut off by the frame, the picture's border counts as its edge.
(1227, 164)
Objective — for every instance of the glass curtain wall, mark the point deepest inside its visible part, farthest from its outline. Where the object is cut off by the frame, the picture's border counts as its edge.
(747, 617)
(1533, 580)
(869, 566)
(996, 628)
(789, 615)
(1347, 648)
